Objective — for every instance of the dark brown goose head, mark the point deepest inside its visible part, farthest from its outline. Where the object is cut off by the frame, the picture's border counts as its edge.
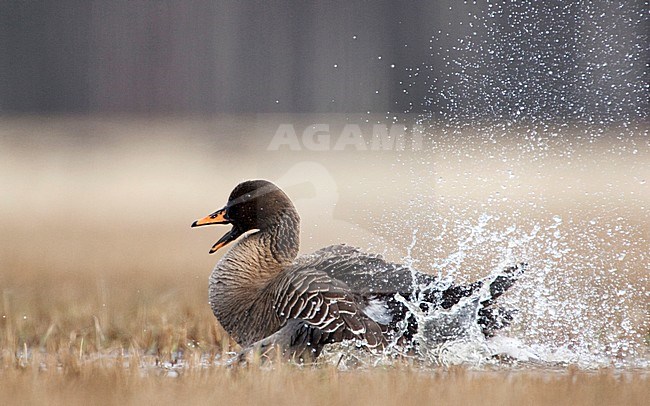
(252, 205)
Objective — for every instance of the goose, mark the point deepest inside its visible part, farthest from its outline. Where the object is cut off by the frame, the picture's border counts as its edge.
(269, 299)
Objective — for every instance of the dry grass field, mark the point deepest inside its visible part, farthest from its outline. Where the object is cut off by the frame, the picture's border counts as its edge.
(104, 285)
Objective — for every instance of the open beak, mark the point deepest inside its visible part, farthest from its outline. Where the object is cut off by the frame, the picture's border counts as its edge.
(226, 239)
(219, 217)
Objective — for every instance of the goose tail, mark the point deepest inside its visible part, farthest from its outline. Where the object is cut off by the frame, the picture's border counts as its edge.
(493, 316)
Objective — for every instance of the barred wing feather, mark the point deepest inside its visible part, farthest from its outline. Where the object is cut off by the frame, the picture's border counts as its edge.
(324, 304)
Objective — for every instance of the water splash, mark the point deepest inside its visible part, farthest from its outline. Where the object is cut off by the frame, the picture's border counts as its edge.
(540, 63)
(578, 303)
(559, 86)
(572, 310)
(521, 85)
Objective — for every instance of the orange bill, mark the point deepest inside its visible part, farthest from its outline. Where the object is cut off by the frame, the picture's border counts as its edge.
(218, 245)
(218, 217)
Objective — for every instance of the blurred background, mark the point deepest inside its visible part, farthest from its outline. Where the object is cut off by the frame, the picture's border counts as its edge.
(203, 56)
(121, 122)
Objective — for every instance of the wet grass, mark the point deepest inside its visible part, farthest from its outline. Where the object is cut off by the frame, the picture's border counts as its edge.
(100, 382)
